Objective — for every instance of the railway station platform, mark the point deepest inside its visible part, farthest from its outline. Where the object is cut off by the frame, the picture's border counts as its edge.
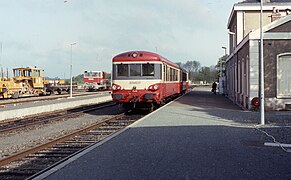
(198, 136)
(45, 106)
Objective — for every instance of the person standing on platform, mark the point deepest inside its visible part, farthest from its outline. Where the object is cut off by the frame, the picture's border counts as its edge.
(214, 86)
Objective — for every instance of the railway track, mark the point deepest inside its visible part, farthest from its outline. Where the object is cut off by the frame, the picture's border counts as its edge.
(14, 125)
(37, 159)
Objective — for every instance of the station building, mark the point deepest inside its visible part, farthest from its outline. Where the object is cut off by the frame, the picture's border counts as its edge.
(242, 65)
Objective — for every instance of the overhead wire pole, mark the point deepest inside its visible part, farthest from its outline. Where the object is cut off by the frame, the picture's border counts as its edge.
(1, 70)
(262, 88)
(71, 69)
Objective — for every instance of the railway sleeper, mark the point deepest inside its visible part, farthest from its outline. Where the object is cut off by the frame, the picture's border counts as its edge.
(76, 146)
(49, 156)
(101, 134)
(39, 167)
(110, 128)
(98, 132)
(88, 139)
(119, 123)
(57, 152)
(93, 139)
(81, 141)
(13, 173)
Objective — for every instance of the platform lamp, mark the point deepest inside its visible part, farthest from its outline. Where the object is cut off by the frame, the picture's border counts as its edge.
(71, 67)
(225, 49)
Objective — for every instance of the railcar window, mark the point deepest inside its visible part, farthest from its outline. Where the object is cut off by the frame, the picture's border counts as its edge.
(168, 73)
(94, 74)
(98, 74)
(164, 71)
(122, 70)
(86, 74)
(135, 69)
(148, 70)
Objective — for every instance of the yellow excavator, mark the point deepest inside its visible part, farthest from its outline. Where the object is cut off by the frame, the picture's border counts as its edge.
(24, 82)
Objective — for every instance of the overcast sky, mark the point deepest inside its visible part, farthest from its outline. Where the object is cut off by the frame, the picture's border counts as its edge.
(39, 32)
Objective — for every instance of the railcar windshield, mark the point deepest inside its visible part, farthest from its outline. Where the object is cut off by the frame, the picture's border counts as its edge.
(122, 70)
(137, 71)
(92, 74)
(148, 70)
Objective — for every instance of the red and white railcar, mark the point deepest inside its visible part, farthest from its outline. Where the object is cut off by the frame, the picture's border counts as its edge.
(95, 80)
(143, 79)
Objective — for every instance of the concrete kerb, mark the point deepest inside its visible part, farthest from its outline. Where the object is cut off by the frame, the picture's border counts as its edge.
(37, 109)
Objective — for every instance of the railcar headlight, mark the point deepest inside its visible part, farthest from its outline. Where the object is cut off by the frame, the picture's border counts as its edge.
(153, 87)
(134, 55)
(115, 87)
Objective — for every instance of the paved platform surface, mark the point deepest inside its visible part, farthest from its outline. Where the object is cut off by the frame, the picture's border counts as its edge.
(199, 136)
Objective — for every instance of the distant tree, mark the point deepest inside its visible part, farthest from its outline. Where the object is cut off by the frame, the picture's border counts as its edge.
(78, 79)
(192, 67)
(198, 73)
(213, 74)
(208, 74)
(108, 76)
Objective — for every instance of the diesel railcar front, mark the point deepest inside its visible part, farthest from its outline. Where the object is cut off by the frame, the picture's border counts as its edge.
(143, 79)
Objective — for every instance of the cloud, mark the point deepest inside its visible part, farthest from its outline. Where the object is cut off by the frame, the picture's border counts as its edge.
(40, 32)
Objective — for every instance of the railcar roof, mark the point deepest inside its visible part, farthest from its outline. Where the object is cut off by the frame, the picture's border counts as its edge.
(93, 71)
(141, 56)
(27, 68)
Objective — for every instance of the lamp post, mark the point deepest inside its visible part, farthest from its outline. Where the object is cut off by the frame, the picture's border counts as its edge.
(221, 78)
(223, 47)
(71, 67)
(262, 88)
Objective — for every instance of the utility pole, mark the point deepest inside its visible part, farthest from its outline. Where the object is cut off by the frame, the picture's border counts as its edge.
(262, 87)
